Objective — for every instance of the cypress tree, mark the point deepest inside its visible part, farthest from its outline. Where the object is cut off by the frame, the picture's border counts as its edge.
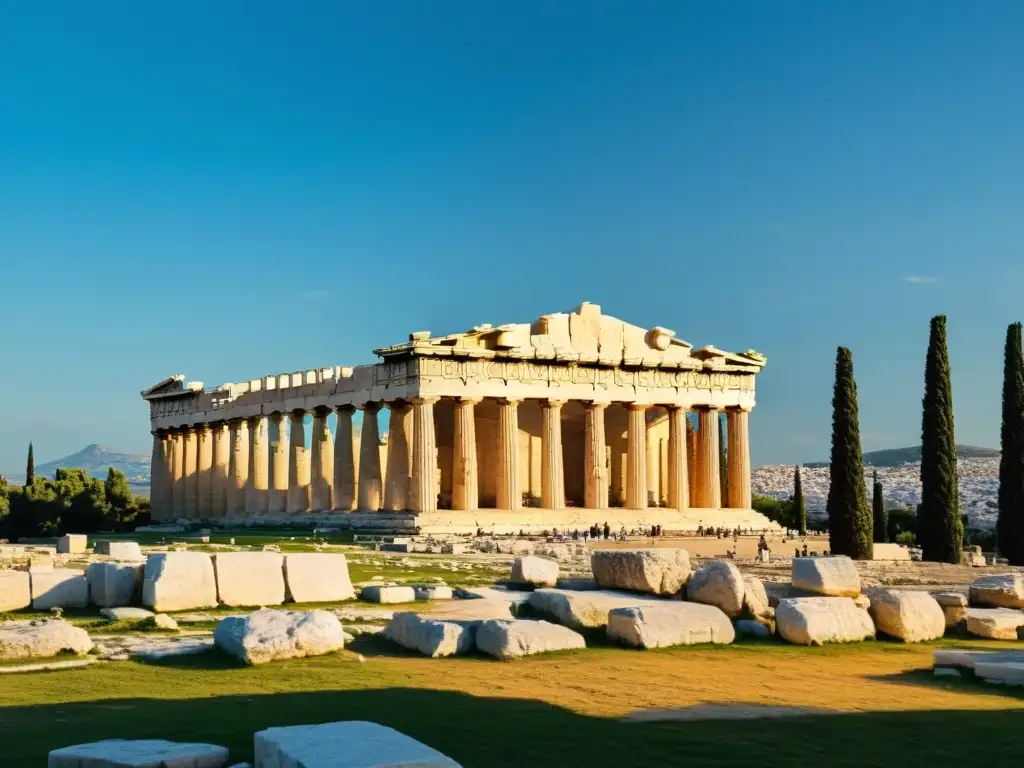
(940, 527)
(878, 512)
(1010, 525)
(849, 519)
(799, 505)
(723, 464)
(30, 468)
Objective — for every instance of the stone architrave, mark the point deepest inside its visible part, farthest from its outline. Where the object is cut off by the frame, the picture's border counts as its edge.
(832, 576)
(397, 479)
(257, 492)
(424, 456)
(345, 460)
(298, 465)
(509, 495)
(595, 489)
(190, 475)
(322, 463)
(636, 457)
(178, 474)
(552, 473)
(709, 482)
(465, 481)
(672, 623)
(249, 578)
(654, 571)
(204, 471)
(737, 427)
(364, 745)
(221, 469)
(148, 753)
(370, 485)
(239, 467)
(678, 481)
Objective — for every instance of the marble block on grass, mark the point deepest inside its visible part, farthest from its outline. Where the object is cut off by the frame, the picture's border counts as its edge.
(72, 544)
(15, 591)
(59, 588)
(538, 571)
(908, 615)
(830, 576)
(148, 753)
(718, 583)
(41, 639)
(654, 571)
(249, 578)
(115, 584)
(1001, 591)
(819, 620)
(430, 637)
(587, 609)
(521, 637)
(387, 594)
(672, 623)
(317, 577)
(995, 623)
(179, 581)
(120, 550)
(270, 635)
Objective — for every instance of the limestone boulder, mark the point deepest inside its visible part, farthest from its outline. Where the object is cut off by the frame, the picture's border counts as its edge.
(755, 598)
(831, 576)
(317, 577)
(15, 591)
(1001, 591)
(40, 639)
(820, 620)
(995, 623)
(654, 571)
(538, 571)
(509, 639)
(954, 607)
(270, 635)
(115, 584)
(149, 753)
(249, 578)
(670, 623)
(430, 637)
(387, 594)
(908, 615)
(718, 583)
(126, 614)
(59, 588)
(584, 610)
(352, 744)
(179, 581)
(120, 550)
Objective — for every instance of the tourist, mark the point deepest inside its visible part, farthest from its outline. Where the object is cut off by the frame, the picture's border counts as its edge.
(607, 530)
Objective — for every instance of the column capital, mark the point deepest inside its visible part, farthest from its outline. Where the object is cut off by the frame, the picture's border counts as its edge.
(552, 402)
(704, 407)
(637, 406)
(686, 407)
(595, 405)
(372, 405)
(738, 409)
(509, 400)
(297, 412)
(321, 410)
(424, 400)
(398, 405)
(349, 409)
(474, 400)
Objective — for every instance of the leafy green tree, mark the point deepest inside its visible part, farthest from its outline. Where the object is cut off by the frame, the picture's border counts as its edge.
(878, 513)
(900, 520)
(30, 468)
(777, 510)
(940, 527)
(799, 505)
(1010, 524)
(118, 495)
(88, 509)
(849, 519)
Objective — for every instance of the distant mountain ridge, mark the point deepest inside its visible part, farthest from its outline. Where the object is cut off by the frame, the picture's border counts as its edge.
(894, 457)
(96, 460)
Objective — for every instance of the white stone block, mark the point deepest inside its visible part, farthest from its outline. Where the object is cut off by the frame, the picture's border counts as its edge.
(429, 637)
(72, 544)
(755, 598)
(832, 576)
(15, 591)
(115, 584)
(433, 592)
(908, 615)
(315, 577)
(538, 571)
(954, 607)
(994, 623)
(584, 610)
(149, 753)
(120, 550)
(957, 657)
(1006, 673)
(126, 614)
(179, 581)
(521, 637)
(1001, 591)
(819, 620)
(655, 571)
(352, 744)
(387, 594)
(41, 639)
(718, 583)
(249, 578)
(59, 588)
(270, 635)
(668, 624)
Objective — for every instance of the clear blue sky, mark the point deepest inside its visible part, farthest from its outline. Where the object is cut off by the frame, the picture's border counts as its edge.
(232, 189)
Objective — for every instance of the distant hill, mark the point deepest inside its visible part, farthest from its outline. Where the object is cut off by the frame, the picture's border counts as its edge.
(894, 457)
(96, 460)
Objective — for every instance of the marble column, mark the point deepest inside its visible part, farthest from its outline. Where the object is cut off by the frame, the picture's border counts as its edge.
(278, 465)
(204, 470)
(636, 457)
(221, 469)
(509, 489)
(239, 467)
(708, 482)
(177, 479)
(595, 479)
(158, 475)
(678, 495)
(424, 456)
(190, 474)
(552, 472)
(257, 491)
(652, 465)
(321, 468)
(465, 480)
(397, 473)
(370, 486)
(298, 464)
(692, 462)
(737, 427)
(344, 461)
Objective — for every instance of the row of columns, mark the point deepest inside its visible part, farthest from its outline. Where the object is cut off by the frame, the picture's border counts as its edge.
(224, 469)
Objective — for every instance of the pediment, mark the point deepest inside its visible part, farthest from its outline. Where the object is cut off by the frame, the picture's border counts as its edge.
(171, 387)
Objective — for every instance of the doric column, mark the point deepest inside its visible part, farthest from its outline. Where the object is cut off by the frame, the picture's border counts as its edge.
(552, 473)
(321, 468)
(239, 482)
(636, 457)
(678, 481)
(204, 471)
(158, 475)
(177, 479)
(709, 482)
(396, 481)
(278, 465)
(424, 456)
(465, 481)
(221, 469)
(739, 457)
(298, 464)
(190, 474)
(692, 462)
(595, 488)
(509, 495)
(257, 492)
(344, 461)
(370, 490)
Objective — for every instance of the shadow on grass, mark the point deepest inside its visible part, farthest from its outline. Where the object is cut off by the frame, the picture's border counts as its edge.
(968, 682)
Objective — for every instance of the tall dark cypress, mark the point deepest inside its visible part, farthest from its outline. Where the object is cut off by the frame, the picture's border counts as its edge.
(799, 505)
(940, 527)
(30, 468)
(878, 513)
(849, 519)
(723, 464)
(1010, 525)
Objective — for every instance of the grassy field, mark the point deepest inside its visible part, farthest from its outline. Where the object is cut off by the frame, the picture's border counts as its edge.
(557, 710)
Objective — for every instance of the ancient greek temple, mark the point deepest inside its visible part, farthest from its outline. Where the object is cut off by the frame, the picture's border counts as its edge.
(575, 419)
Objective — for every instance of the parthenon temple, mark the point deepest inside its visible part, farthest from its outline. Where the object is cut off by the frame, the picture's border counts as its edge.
(575, 419)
